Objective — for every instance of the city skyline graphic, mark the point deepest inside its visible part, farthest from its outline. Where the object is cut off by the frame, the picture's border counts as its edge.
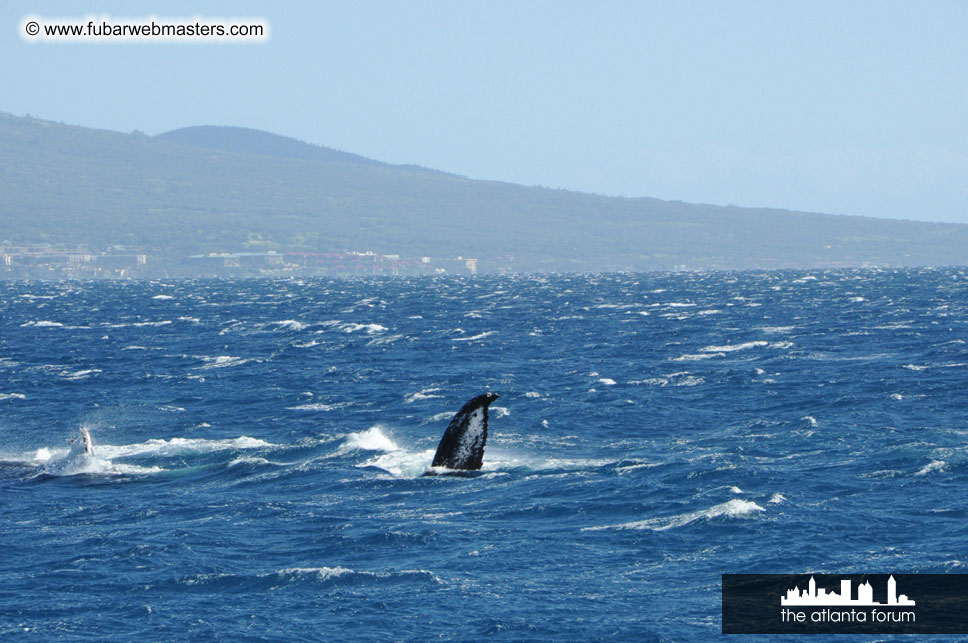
(813, 595)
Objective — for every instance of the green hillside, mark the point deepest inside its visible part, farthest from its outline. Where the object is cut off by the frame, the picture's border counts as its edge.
(209, 189)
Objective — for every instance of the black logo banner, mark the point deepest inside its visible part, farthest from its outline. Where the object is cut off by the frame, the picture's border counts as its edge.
(845, 603)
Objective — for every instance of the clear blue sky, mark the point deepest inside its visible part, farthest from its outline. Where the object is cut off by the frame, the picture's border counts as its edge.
(841, 107)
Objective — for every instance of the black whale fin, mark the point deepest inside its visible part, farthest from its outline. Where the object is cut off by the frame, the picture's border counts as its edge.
(462, 446)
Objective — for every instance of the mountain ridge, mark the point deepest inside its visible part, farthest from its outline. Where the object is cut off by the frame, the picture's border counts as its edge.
(257, 191)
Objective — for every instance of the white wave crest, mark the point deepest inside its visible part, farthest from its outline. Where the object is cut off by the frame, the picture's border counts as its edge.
(80, 375)
(474, 337)
(732, 509)
(323, 573)
(776, 329)
(42, 324)
(368, 328)
(423, 394)
(94, 465)
(329, 573)
(693, 357)
(382, 341)
(674, 379)
(316, 406)
(402, 463)
(729, 348)
(633, 467)
(934, 465)
(248, 460)
(178, 446)
(74, 461)
(222, 361)
(289, 324)
(373, 439)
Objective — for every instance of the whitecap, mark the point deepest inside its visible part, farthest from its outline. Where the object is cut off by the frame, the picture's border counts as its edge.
(222, 361)
(329, 573)
(12, 396)
(93, 465)
(424, 394)
(728, 348)
(401, 463)
(289, 324)
(633, 467)
(934, 465)
(776, 329)
(474, 337)
(80, 375)
(317, 406)
(42, 324)
(381, 341)
(368, 328)
(179, 446)
(162, 297)
(66, 462)
(323, 573)
(696, 357)
(690, 380)
(651, 381)
(373, 439)
(248, 460)
(732, 509)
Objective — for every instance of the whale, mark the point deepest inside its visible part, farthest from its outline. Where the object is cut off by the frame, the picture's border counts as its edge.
(81, 446)
(462, 445)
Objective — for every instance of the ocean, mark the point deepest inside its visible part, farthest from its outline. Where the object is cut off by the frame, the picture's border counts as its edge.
(260, 448)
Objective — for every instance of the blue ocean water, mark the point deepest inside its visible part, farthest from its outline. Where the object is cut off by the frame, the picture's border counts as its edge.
(259, 447)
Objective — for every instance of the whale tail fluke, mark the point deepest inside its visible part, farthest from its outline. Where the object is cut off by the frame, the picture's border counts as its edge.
(462, 445)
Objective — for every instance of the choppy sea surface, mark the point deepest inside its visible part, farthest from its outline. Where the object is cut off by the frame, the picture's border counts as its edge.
(260, 445)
